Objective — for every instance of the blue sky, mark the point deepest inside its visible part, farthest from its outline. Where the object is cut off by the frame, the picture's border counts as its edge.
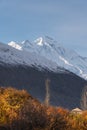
(64, 20)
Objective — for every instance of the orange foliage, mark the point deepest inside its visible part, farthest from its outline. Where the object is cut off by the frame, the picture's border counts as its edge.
(20, 111)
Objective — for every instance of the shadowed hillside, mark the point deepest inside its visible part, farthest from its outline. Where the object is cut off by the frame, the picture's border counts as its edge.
(65, 88)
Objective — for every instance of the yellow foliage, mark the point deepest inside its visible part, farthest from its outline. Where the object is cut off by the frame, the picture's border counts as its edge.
(18, 109)
(11, 100)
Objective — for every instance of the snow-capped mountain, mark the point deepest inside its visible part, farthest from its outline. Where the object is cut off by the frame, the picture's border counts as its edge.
(12, 56)
(27, 65)
(48, 53)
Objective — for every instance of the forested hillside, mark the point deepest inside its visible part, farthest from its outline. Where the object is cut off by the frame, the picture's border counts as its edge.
(20, 111)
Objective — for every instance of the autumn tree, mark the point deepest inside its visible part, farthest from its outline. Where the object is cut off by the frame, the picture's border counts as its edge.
(84, 99)
(47, 98)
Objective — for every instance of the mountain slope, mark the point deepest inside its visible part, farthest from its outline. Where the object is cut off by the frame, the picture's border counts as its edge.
(11, 56)
(65, 88)
(51, 50)
(29, 70)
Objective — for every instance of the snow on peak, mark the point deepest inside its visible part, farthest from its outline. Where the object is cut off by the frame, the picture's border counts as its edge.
(52, 51)
(46, 40)
(15, 45)
(39, 41)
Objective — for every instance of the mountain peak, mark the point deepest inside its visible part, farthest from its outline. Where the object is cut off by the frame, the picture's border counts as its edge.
(52, 51)
(49, 38)
(46, 40)
(39, 41)
(25, 42)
